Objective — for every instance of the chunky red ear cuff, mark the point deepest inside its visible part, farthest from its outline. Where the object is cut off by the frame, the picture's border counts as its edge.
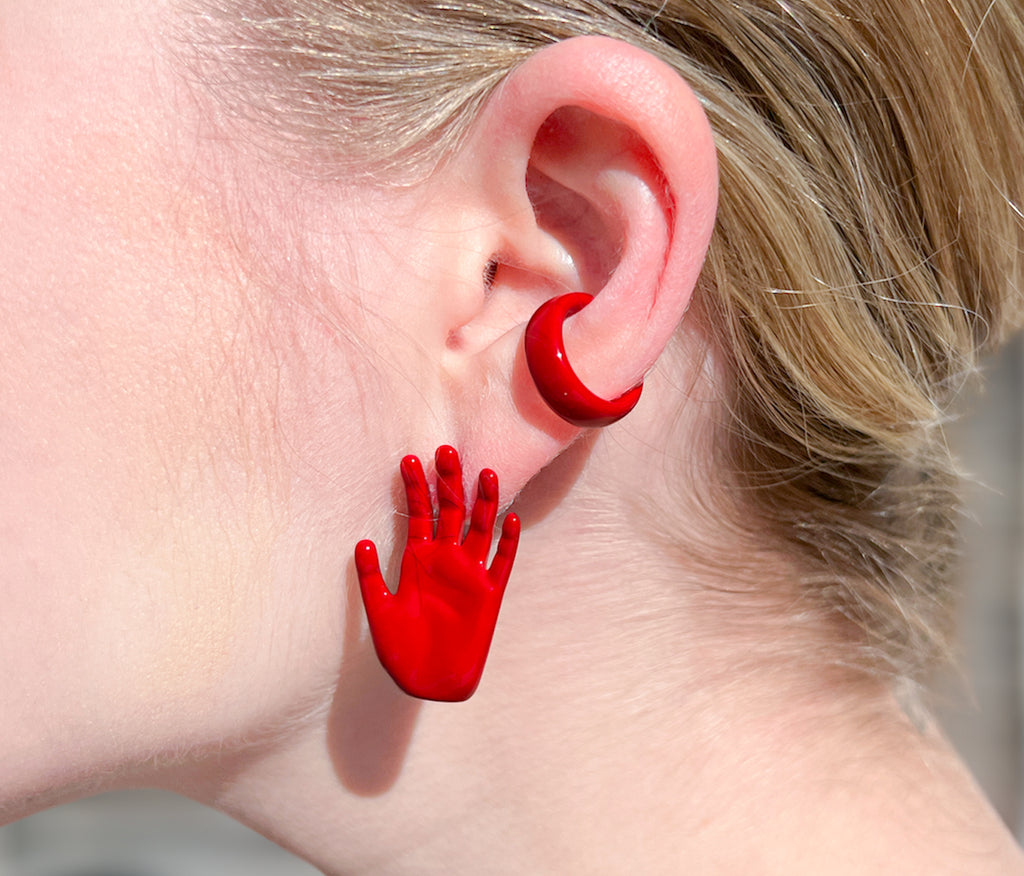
(557, 383)
(433, 634)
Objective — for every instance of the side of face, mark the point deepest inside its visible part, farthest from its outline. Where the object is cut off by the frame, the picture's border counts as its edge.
(211, 365)
(155, 598)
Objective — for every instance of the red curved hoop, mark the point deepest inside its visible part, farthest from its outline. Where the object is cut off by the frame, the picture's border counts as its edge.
(556, 382)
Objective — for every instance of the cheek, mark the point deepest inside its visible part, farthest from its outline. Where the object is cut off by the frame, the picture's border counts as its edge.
(128, 564)
(153, 600)
(149, 603)
(135, 518)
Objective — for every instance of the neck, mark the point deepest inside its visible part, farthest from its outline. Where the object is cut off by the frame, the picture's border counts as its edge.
(608, 755)
(621, 726)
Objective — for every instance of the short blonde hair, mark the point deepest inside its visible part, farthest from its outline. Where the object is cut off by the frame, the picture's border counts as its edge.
(866, 248)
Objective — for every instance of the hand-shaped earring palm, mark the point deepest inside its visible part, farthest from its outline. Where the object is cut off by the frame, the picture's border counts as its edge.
(433, 634)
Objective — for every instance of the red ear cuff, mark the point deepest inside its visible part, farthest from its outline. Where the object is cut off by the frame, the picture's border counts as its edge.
(433, 634)
(557, 383)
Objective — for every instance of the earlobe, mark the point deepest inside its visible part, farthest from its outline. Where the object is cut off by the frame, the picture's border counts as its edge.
(595, 165)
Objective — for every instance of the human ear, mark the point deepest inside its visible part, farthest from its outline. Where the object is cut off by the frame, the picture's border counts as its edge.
(592, 168)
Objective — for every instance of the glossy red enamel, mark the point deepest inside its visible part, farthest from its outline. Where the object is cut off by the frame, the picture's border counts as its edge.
(433, 634)
(556, 381)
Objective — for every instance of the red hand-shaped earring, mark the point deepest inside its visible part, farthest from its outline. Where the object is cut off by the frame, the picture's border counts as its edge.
(433, 634)
(557, 383)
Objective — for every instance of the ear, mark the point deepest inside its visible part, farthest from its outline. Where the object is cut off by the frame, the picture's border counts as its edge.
(592, 168)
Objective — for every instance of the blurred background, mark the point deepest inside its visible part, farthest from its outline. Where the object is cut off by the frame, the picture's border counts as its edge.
(983, 709)
(149, 833)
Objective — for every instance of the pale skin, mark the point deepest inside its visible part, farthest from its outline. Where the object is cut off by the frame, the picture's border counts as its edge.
(209, 369)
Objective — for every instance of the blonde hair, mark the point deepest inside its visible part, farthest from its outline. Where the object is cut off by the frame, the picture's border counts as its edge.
(866, 248)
